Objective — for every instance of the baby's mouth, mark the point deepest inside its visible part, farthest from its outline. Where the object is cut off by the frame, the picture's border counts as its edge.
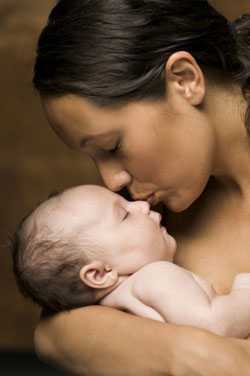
(156, 217)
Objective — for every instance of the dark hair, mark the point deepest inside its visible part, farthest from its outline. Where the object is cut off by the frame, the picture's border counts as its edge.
(241, 32)
(114, 51)
(47, 269)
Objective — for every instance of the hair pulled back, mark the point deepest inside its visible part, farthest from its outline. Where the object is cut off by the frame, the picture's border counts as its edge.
(114, 51)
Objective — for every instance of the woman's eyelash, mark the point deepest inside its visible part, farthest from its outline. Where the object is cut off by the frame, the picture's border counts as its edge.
(116, 148)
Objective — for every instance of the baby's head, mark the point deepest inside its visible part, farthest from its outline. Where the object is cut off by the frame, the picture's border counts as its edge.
(80, 244)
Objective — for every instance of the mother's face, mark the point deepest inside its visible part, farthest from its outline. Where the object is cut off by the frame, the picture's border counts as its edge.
(161, 151)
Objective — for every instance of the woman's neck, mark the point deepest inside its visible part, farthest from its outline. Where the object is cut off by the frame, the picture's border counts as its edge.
(227, 108)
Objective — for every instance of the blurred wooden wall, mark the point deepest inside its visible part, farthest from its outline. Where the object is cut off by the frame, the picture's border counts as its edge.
(33, 162)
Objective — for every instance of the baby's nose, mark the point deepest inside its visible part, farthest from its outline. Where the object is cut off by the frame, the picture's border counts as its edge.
(142, 206)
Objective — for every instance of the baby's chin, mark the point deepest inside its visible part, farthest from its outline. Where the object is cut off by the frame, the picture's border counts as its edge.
(170, 244)
(172, 250)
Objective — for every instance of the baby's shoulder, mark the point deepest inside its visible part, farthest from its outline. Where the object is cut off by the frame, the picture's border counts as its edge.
(156, 275)
(157, 268)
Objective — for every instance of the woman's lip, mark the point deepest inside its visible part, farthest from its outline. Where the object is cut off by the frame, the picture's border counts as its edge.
(142, 197)
(152, 199)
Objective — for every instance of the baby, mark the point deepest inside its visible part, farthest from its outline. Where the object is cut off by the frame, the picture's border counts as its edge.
(89, 245)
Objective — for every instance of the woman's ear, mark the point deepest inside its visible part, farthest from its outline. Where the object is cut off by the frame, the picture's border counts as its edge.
(185, 77)
(98, 275)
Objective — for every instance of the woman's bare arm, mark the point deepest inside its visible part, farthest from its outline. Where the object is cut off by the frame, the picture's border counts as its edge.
(98, 341)
(103, 341)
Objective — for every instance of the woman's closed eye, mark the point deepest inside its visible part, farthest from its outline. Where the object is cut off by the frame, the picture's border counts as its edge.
(116, 148)
(103, 151)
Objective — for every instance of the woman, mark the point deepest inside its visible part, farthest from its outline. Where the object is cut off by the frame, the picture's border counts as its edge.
(156, 93)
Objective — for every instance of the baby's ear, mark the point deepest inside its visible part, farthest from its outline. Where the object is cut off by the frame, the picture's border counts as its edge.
(98, 275)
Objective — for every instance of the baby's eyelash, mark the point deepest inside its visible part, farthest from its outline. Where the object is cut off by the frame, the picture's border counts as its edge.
(126, 215)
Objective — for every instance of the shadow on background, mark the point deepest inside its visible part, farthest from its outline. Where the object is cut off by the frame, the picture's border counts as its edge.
(25, 364)
(33, 161)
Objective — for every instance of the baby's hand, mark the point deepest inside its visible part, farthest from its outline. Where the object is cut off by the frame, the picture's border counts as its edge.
(241, 281)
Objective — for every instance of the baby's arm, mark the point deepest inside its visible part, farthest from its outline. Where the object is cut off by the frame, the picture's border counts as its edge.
(147, 293)
(230, 314)
(186, 299)
(124, 299)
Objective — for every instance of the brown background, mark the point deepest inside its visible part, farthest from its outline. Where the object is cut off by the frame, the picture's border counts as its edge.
(32, 161)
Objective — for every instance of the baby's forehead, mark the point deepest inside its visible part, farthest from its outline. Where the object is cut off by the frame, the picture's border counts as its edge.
(84, 202)
(85, 196)
(90, 204)
(72, 208)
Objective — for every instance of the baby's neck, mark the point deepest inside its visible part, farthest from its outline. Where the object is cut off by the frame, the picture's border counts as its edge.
(100, 294)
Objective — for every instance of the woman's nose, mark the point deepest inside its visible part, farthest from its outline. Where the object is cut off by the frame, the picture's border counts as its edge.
(114, 177)
(142, 206)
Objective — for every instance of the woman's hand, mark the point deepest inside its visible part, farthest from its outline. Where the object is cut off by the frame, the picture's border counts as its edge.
(99, 341)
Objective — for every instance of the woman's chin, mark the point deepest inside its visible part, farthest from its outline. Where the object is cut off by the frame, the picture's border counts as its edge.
(177, 203)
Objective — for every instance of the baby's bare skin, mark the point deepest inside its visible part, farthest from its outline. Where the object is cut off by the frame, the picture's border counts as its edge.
(136, 272)
(165, 292)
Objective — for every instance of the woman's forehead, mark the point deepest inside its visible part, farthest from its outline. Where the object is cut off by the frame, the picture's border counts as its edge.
(76, 120)
(75, 109)
(73, 118)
